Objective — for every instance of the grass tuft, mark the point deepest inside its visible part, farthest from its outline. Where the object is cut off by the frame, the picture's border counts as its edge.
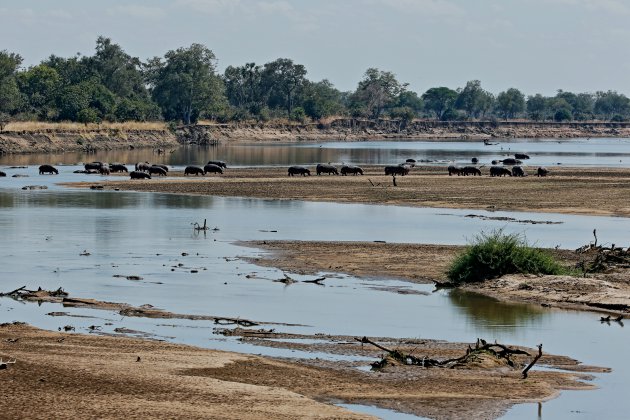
(496, 254)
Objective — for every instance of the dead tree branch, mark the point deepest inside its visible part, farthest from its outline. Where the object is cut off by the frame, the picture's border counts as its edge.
(538, 356)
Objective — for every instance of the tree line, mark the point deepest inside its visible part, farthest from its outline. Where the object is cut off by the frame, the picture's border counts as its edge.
(185, 86)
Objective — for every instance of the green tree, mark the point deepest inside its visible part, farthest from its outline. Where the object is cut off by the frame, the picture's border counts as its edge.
(411, 100)
(611, 103)
(510, 103)
(474, 100)
(185, 84)
(243, 87)
(439, 100)
(39, 84)
(377, 90)
(537, 107)
(283, 80)
(118, 71)
(10, 98)
(322, 99)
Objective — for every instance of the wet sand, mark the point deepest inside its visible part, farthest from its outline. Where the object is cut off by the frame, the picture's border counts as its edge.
(589, 191)
(79, 376)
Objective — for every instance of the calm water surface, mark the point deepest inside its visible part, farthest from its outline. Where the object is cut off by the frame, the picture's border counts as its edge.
(44, 232)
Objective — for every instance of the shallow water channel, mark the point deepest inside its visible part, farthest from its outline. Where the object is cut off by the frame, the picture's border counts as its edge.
(43, 234)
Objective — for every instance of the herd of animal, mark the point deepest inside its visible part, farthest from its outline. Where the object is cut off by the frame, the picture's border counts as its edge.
(144, 170)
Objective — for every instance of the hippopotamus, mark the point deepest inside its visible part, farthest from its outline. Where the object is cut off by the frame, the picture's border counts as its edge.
(156, 170)
(219, 163)
(499, 171)
(193, 170)
(2, 173)
(118, 167)
(518, 171)
(159, 165)
(212, 168)
(104, 170)
(93, 166)
(542, 171)
(474, 160)
(48, 169)
(401, 170)
(143, 166)
(511, 161)
(521, 156)
(323, 168)
(470, 170)
(139, 175)
(410, 161)
(452, 169)
(349, 169)
(299, 170)
(496, 162)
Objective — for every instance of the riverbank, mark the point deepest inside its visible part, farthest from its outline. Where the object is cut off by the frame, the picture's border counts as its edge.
(80, 375)
(36, 137)
(588, 191)
(608, 291)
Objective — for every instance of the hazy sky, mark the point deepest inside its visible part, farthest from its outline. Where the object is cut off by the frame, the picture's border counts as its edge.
(538, 46)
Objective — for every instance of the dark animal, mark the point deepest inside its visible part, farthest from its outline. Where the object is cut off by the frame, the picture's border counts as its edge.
(299, 170)
(452, 169)
(348, 169)
(139, 175)
(401, 170)
(521, 156)
(496, 162)
(48, 169)
(212, 168)
(159, 165)
(219, 163)
(193, 170)
(104, 170)
(470, 170)
(511, 161)
(117, 167)
(143, 166)
(156, 170)
(518, 171)
(410, 161)
(323, 168)
(2, 174)
(542, 171)
(474, 160)
(499, 171)
(93, 166)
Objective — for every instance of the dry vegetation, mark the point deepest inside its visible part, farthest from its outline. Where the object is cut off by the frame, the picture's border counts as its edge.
(38, 126)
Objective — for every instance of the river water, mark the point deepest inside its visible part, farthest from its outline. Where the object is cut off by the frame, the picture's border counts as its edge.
(45, 232)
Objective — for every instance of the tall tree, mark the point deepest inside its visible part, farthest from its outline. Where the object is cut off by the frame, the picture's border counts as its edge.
(474, 99)
(185, 84)
(283, 80)
(321, 99)
(537, 107)
(10, 98)
(608, 104)
(510, 103)
(378, 90)
(439, 100)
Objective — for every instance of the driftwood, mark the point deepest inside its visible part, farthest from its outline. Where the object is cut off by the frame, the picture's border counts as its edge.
(602, 258)
(538, 356)
(198, 227)
(498, 350)
(234, 321)
(13, 292)
(23, 293)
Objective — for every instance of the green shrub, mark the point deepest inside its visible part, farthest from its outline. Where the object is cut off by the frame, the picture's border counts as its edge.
(496, 254)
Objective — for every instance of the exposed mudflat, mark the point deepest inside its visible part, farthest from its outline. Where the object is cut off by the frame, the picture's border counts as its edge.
(73, 375)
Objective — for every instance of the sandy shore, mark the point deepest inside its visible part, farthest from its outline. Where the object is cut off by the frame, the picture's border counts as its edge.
(592, 191)
(80, 376)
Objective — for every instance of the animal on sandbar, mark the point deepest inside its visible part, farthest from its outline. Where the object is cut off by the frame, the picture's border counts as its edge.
(452, 169)
(143, 166)
(349, 169)
(139, 175)
(542, 171)
(117, 167)
(518, 171)
(299, 170)
(323, 168)
(470, 170)
(211, 168)
(499, 171)
(219, 163)
(156, 170)
(193, 170)
(401, 170)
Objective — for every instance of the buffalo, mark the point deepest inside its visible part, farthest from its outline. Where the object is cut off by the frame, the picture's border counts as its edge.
(48, 169)
(349, 169)
(193, 170)
(139, 175)
(212, 169)
(299, 170)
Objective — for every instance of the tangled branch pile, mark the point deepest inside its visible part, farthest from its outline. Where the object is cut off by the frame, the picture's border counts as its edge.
(598, 258)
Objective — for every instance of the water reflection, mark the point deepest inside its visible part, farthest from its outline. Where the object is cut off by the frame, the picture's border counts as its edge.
(493, 315)
(609, 152)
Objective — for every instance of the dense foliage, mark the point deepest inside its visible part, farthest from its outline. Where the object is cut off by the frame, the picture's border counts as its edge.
(185, 86)
(496, 254)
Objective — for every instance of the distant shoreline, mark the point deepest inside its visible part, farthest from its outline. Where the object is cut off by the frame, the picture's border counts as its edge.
(33, 137)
